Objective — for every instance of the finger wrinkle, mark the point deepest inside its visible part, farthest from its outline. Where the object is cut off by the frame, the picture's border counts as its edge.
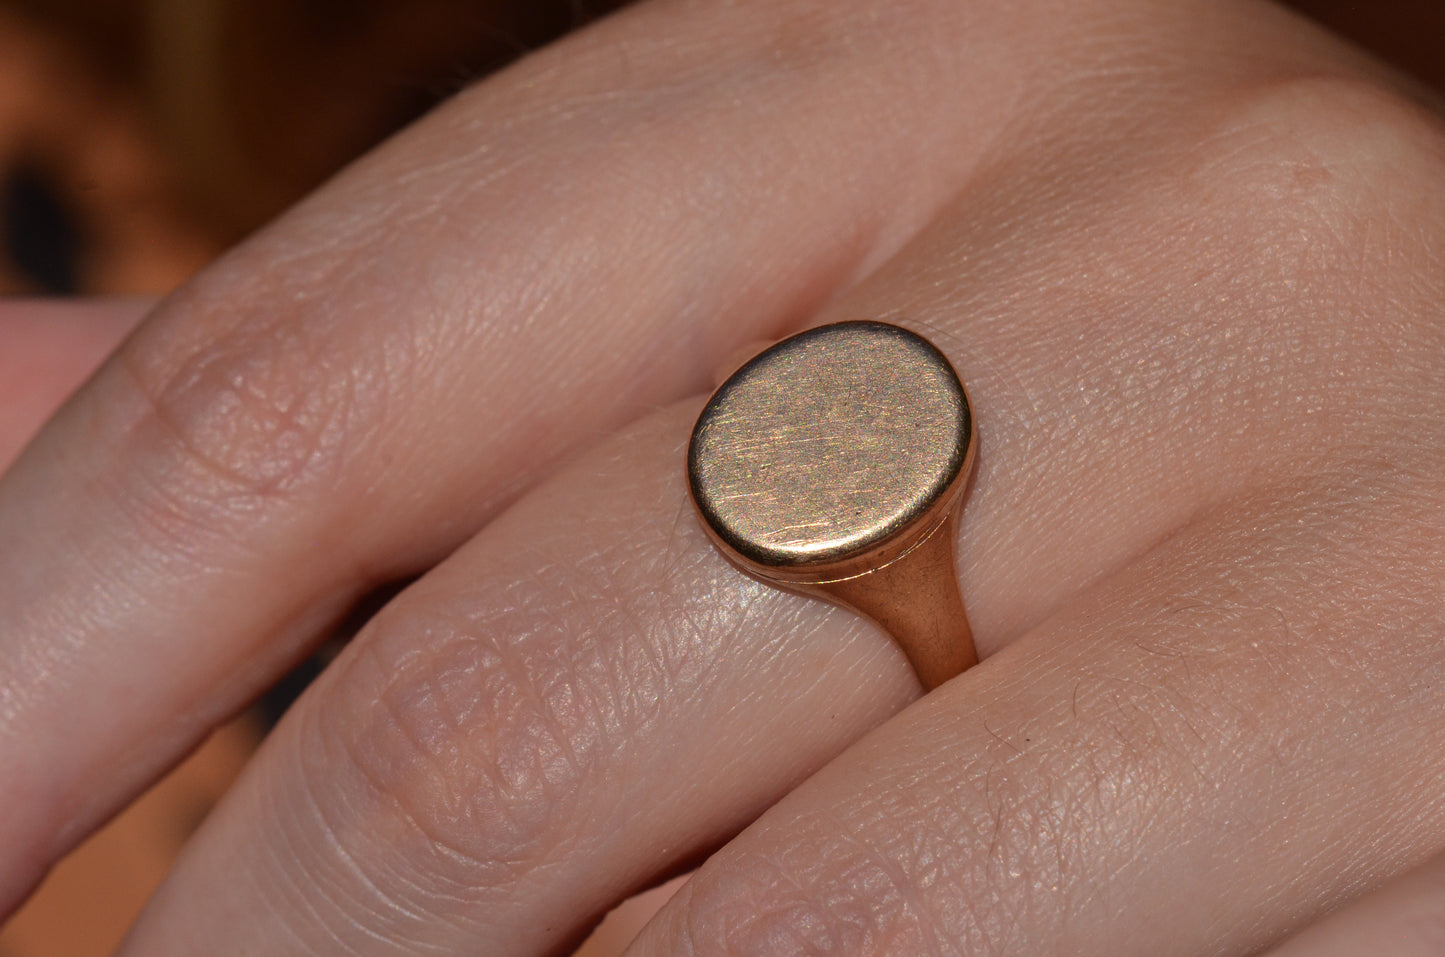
(238, 431)
(466, 746)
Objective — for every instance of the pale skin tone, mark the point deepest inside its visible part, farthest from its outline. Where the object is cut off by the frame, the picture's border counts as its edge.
(1190, 260)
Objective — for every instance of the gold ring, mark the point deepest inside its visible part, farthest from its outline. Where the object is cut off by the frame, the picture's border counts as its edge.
(833, 464)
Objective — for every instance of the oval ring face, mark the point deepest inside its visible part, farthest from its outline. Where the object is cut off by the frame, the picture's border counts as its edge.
(828, 444)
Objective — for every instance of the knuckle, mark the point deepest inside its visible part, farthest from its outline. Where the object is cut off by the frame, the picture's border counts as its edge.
(1328, 163)
(474, 758)
(245, 418)
(1316, 199)
(823, 893)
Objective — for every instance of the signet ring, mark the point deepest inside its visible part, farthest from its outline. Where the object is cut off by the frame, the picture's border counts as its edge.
(834, 464)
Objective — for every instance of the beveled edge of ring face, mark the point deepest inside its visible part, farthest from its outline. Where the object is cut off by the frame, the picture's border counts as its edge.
(921, 519)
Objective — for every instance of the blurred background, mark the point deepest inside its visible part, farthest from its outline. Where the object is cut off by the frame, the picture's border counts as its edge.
(139, 138)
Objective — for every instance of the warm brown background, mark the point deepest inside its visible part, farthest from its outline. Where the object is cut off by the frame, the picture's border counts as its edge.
(167, 129)
(138, 138)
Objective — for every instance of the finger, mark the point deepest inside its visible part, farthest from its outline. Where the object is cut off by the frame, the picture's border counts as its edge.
(582, 697)
(1142, 774)
(585, 698)
(47, 348)
(1405, 918)
(345, 397)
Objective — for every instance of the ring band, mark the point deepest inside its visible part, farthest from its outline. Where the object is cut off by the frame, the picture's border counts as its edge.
(834, 464)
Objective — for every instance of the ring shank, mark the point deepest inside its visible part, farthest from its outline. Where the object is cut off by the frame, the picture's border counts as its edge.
(916, 601)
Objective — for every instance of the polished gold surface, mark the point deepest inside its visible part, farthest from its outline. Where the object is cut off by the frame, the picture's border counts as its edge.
(832, 464)
(828, 444)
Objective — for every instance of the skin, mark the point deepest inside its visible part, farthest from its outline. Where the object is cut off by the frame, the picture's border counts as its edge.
(1186, 256)
(49, 350)
(1403, 919)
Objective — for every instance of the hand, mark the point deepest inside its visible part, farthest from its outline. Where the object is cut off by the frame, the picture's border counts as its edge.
(1187, 258)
